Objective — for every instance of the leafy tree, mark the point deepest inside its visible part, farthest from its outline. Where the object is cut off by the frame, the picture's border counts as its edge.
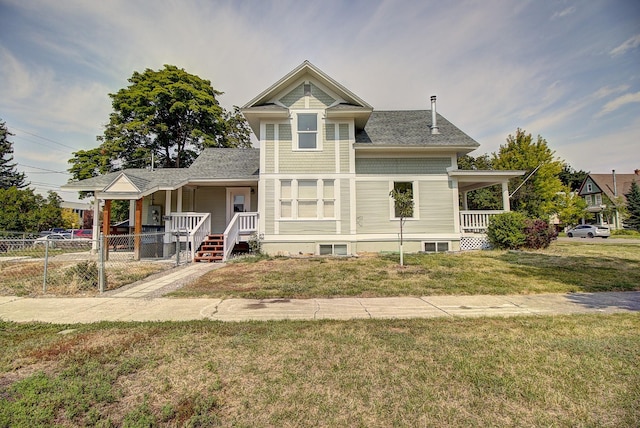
(571, 208)
(633, 206)
(70, 219)
(403, 201)
(25, 211)
(537, 195)
(572, 178)
(172, 114)
(8, 174)
(487, 198)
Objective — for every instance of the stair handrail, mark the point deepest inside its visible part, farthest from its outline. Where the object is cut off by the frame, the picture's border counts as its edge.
(199, 233)
(241, 223)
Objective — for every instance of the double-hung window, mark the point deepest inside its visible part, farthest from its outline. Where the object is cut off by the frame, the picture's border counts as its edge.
(307, 131)
(307, 199)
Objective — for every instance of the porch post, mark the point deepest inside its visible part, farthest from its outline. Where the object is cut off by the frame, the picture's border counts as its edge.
(465, 202)
(506, 205)
(137, 230)
(179, 201)
(166, 248)
(106, 226)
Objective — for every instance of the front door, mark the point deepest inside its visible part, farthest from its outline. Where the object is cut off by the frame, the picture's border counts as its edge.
(238, 201)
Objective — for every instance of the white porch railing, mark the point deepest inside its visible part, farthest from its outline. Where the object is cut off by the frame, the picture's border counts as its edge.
(476, 221)
(198, 226)
(240, 224)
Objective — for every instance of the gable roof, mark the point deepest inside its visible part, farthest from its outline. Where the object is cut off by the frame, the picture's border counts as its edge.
(213, 164)
(266, 104)
(412, 128)
(606, 185)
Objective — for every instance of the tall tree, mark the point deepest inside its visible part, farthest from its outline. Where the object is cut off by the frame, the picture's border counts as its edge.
(168, 115)
(22, 210)
(487, 198)
(633, 206)
(537, 196)
(8, 174)
(572, 178)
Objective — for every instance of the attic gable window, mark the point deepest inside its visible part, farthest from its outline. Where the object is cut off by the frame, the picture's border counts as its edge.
(307, 131)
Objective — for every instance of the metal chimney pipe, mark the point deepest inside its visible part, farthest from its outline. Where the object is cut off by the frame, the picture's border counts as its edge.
(615, 185)
(434, 124)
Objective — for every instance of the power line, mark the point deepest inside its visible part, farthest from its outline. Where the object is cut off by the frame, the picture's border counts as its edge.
(42, 169)
(44, 138)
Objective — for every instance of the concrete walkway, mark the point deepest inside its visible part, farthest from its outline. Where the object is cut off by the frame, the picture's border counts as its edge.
(142, 301)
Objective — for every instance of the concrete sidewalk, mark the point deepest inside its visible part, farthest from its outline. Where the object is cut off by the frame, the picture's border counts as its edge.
(87, 310)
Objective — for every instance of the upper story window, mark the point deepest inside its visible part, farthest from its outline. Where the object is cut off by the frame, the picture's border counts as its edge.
(589, 187)
(307, 131)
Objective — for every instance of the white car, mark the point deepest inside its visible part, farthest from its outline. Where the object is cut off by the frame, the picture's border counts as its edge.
(60, 240)
(589, 231)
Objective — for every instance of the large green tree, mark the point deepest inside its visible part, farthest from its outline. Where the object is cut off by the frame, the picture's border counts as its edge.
(22, 210)
(537, 197)
(8, 175)
(633, 206)
(166, 115)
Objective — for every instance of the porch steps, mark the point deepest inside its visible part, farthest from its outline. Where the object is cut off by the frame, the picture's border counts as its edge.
(211, 250)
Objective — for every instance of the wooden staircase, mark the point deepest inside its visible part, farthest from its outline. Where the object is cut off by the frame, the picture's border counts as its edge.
(211, 250)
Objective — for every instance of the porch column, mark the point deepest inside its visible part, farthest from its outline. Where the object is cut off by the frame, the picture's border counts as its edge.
(137, 230)
(106, 226)
(96, 224)
(506, 205)
(465, 201)
(179, 201)
(166, 248)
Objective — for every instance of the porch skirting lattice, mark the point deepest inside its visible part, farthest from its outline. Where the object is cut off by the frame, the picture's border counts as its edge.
(478, 242)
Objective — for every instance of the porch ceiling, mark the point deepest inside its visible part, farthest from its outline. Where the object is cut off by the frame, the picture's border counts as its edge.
(472, 180)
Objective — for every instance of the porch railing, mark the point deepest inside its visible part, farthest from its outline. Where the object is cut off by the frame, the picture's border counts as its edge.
(198, 226)
(240, 224)
(476, 221)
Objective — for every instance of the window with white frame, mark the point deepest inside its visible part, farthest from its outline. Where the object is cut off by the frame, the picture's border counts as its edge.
(307, 199)
(403, 187)
(307, 131)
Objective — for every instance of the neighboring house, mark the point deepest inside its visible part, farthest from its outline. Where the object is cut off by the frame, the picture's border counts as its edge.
(83, 212)
(603, 192)
(320, 181)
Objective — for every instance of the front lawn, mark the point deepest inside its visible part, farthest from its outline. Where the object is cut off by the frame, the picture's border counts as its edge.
(581, 370)
(564, 267)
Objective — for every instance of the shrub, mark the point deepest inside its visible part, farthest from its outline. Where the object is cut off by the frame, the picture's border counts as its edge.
(506, 230)
(539, 234)
(85, 274)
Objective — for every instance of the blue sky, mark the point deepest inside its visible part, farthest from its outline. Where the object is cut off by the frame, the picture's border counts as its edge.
(566, 70)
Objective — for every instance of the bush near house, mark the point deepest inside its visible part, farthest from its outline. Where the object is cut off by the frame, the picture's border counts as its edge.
(513, 230)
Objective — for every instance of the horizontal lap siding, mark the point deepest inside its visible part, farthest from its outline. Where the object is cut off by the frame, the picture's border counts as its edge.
(269, 148)
(304, 161)
(372, 207)
(373, 204)
(313, 227)
(345, 212)
(402, 166)
(344, 147)
(270, 201)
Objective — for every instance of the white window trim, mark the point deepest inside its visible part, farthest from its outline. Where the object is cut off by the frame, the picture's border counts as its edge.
(319, 132)
(416, 201)
(333, 244)
(294, 199)
(422, 244)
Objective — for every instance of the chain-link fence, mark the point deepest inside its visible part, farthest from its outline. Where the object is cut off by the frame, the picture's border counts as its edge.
(55, 265)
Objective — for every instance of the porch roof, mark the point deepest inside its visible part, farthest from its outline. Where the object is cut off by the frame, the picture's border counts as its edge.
(473, 179)
(213, 165)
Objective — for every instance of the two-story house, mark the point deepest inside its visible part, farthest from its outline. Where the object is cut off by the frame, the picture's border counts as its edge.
(603, 193)
(320, 181)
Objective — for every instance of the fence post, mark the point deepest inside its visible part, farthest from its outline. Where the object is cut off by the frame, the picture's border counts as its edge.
(178, 249)
(46, 262)
(101, 264)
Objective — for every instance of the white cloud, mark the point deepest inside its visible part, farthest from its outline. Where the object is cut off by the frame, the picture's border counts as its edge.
(565, 12)
(631, 43)
(621, 101)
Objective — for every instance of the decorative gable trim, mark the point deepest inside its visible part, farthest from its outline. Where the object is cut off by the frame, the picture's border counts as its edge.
(122, 184)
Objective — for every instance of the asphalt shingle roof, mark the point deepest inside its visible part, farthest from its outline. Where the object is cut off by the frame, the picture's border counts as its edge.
(412, 128)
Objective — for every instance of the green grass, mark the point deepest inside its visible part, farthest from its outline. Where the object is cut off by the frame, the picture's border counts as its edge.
(564, 267)
(581, 370)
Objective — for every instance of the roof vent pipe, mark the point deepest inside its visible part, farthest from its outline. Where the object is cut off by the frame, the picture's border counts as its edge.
(434, 124)
(615, 185)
